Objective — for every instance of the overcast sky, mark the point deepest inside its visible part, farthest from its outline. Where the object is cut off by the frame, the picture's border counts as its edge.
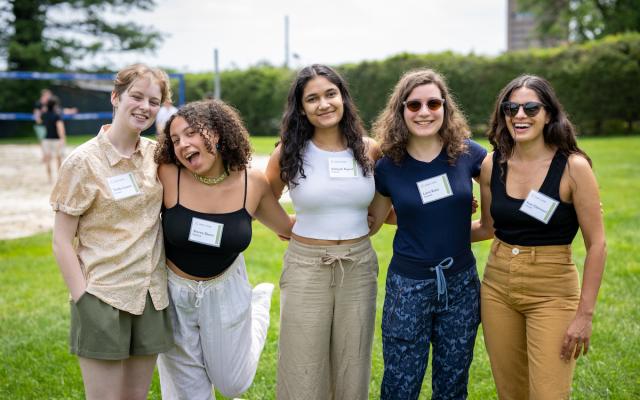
(247, 32)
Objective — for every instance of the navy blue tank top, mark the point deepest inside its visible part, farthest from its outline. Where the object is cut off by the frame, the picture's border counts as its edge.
(517, 228)
(198, 259)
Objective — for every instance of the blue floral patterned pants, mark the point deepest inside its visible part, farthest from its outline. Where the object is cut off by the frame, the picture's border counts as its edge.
(414, 318)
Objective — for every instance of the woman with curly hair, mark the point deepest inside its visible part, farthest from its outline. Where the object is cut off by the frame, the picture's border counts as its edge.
(537, 189)
(432, 289)
(210, 197)
(329, 277)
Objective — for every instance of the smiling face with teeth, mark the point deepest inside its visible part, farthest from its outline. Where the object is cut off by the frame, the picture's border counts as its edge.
(424, 123)
(192, 151)
(322, 103)
(136, 108)
(521, 126)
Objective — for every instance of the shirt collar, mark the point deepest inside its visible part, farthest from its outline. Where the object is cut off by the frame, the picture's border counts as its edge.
(113, 156)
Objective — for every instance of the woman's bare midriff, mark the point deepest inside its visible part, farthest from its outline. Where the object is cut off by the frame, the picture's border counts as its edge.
(322, 242)
(184, 275)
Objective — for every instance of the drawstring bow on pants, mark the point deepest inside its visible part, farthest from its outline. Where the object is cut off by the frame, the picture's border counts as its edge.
(331, 259)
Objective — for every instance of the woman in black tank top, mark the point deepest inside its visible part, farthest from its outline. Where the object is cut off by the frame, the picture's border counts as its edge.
(537, 189)
(210, 199)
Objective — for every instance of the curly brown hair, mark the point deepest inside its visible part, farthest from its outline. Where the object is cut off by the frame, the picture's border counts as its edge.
(391, 131)
(208, 117)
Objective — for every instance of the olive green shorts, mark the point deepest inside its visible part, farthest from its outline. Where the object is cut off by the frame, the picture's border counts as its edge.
(102, 332)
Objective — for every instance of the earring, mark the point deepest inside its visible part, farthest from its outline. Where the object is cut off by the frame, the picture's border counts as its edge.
(218, 146)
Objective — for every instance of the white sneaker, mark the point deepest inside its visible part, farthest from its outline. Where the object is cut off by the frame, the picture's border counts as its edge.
(260, 306)
(261, 294)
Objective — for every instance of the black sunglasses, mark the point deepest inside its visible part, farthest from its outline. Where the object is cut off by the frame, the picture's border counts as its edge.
(531, 108)
(416, 105)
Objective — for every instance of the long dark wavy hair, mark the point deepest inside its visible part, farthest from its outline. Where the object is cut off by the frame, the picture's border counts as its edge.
(296, 129)
(208, 117)
(559, 132)
(391, 130)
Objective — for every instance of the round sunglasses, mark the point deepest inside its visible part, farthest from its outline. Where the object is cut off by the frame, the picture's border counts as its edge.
(416, 105)
(531, 108)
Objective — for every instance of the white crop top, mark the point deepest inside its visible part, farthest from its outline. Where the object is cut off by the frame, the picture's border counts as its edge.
(331, 202)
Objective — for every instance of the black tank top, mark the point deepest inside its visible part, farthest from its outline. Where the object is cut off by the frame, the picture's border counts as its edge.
(199, 259)
(517, 228)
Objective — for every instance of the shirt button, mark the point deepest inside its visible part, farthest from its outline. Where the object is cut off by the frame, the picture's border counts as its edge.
(515, 251)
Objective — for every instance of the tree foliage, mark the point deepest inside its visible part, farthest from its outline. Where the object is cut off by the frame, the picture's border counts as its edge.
(596, 82)
(583, 20)
(56, 34)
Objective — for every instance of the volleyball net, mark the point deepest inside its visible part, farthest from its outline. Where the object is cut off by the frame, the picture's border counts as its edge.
(62, 76)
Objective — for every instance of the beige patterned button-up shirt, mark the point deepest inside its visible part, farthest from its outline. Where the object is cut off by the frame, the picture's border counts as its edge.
(120, 244)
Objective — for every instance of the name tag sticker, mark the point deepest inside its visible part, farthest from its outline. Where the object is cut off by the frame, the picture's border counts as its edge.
(123, 186)
(342, 167)
(205, 232)
(435, 188)
(539, 206)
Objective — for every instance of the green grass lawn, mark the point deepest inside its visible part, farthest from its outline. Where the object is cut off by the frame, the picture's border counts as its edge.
(34, 317)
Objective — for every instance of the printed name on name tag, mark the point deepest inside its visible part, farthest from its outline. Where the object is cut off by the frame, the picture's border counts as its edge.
(343, 167)
(435, 188)
(123, 186)
(205, 232)
(539, 206)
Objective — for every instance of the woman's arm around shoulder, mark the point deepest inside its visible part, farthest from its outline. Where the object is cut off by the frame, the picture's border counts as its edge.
(482, 229)
(273, 173)
(586, 200)
(269, 211)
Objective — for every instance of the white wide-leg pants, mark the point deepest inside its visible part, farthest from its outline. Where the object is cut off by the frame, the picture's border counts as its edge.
(219, 328)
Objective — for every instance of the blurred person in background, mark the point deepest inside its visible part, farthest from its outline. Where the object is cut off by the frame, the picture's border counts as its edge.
(166, 111)
(53, 143)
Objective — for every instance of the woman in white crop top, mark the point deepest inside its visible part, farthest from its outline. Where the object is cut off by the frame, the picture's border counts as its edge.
(329, 277)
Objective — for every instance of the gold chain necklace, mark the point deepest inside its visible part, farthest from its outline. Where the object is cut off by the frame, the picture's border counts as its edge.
(211, 181)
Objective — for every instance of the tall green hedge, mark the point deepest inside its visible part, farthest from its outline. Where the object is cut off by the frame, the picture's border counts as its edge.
(598, 83)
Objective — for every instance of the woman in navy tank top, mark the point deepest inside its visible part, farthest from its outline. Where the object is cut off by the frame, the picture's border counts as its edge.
(210, 198)
(537, 189)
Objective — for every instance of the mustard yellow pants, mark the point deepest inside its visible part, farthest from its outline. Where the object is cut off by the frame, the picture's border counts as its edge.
(529, 296)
